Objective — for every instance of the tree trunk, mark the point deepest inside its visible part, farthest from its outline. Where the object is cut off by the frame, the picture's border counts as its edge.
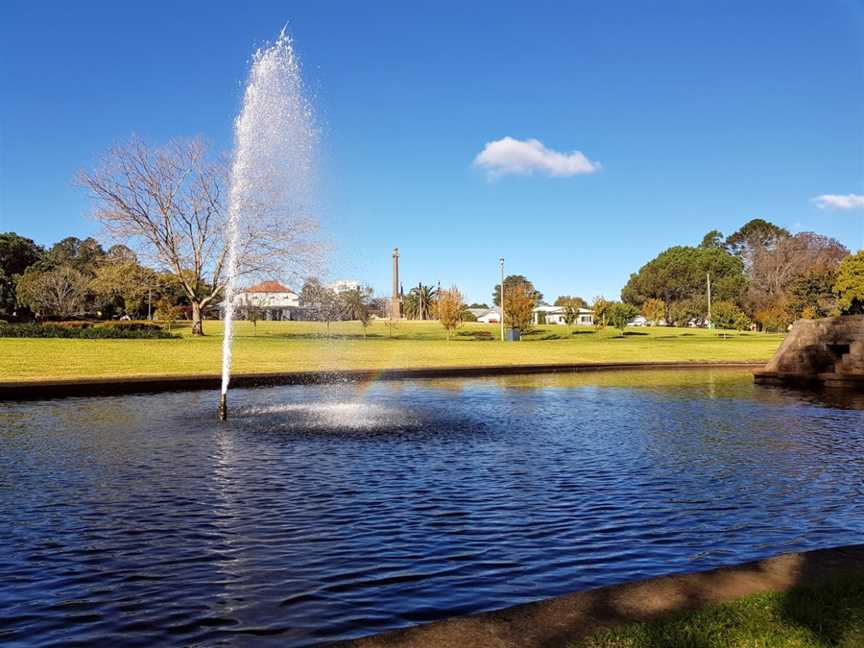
(197, 322)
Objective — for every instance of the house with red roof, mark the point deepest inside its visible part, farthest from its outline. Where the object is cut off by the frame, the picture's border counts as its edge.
(272, 300)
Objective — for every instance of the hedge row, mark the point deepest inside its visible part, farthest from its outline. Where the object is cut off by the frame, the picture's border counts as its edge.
(87, 330)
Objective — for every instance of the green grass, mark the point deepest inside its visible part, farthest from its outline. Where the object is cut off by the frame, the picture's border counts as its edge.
(299, 346)
(828, 614)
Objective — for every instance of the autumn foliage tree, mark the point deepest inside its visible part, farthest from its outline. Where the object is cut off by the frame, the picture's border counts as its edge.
(519, 301)
(654, 310)
(449, 307)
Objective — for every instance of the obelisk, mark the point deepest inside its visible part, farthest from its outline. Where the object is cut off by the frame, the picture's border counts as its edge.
(395, 311)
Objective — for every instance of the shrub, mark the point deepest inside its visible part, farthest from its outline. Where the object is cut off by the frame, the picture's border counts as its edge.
(132, 325)
(52, 330)
(74, 324)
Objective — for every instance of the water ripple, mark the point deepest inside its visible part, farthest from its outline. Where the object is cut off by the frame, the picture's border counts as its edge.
(322, 513)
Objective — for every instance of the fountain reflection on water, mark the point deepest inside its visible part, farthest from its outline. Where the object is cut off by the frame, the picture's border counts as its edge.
(274, 141)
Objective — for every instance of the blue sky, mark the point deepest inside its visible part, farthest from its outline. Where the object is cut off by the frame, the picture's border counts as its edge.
(698, 116)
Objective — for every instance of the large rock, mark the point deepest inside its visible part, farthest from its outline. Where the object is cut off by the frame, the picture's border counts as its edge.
(828, 345)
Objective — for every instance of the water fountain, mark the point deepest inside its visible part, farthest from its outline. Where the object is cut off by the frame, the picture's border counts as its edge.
(274, 141)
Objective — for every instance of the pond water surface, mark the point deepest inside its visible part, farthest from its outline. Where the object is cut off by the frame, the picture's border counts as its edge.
(328, 512)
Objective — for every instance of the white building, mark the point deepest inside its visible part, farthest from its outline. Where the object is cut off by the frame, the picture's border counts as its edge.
(555, 315)
(343, 285)
(490, 316)
(272, 299)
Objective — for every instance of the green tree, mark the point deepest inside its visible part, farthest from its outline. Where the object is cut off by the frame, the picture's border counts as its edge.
(728, 315)
(849, 285)
(812, 295)
(16, 255)
(84, 255)
(566, 300)
(511, 282)
(713, 239)
(618, 314)
(757, 234)
(58, 292)
(684, 312)
(601, 311)
(120, 283)
(679, 273)
(167, 311)
(420, 302)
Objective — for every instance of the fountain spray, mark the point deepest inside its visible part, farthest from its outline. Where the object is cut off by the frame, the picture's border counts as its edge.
(274, 141)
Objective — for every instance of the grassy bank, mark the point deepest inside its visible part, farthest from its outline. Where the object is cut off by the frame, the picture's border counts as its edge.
(829, 614)
(300, 346)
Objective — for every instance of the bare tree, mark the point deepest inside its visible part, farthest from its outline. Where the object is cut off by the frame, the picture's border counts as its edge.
(170, 204)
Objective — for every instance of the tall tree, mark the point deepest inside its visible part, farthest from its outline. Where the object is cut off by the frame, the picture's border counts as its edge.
(679, 273)
(84, 255)
(16, 255)
(713, 239)
(513, 281)
(777, 270)
(420, 302)
(169, 203)
(755, 235)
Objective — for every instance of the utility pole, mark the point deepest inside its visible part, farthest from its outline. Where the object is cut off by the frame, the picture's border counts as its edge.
(710, 323)
(501, 298)
(149, 299)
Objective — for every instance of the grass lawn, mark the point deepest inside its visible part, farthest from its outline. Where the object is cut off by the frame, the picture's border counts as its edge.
(829, 614)
(299, 346)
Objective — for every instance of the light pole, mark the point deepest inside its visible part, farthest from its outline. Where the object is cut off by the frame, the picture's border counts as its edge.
(710, 323)
(501, 297)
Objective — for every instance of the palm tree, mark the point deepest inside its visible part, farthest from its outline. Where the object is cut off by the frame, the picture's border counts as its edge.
(355, 305)
(420, 302)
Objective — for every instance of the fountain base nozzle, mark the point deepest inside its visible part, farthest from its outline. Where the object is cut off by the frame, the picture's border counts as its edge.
(223, 407)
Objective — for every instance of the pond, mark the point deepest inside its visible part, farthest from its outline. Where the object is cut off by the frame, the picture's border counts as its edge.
(329, 512)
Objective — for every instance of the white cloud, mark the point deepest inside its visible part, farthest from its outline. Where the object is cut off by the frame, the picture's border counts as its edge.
(843, 202)
(508, 156)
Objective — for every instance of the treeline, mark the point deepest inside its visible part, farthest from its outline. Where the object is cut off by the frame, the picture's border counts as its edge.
(79, 278)
(761, 274)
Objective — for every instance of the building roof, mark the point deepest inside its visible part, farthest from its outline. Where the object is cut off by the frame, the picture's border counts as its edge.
(269, 287)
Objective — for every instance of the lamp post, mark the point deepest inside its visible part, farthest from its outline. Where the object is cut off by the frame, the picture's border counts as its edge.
(501, 297)
(710, 323)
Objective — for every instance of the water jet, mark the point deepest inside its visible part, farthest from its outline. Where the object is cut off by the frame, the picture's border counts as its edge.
(271, 168)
